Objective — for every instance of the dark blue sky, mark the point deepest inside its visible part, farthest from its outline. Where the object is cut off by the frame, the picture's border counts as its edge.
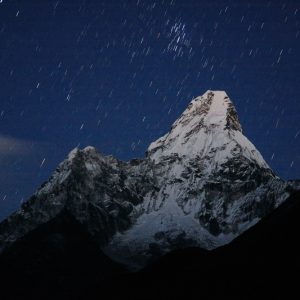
(117, 74)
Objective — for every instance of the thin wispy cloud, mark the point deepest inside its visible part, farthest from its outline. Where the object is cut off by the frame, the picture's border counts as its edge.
(14, 147)
(20, 160)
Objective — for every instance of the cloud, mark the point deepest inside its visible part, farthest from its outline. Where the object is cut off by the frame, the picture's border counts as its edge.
(20, 161)
(13, 147)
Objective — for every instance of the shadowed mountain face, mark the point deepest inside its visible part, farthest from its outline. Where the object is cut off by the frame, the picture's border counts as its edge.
(262, 263)
(200, 185)
(55, 261)
(60, 260)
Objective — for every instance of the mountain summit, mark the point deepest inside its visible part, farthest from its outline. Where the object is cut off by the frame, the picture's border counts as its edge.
(202, 184)
(209, 125)
(212, 113)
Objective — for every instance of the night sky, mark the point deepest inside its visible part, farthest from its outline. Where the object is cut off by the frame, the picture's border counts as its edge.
(117, 74)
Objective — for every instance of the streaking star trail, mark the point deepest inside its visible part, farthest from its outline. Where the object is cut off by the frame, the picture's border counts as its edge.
(179, 43)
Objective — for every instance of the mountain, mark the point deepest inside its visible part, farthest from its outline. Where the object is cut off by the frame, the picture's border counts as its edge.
(200, 185)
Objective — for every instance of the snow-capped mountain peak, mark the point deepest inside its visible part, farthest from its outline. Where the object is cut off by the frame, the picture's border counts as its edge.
(201, 184)
(208, 128)
(214, 109)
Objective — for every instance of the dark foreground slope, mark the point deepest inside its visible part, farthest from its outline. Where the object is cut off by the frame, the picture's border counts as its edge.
(59, 260)
(55, 261)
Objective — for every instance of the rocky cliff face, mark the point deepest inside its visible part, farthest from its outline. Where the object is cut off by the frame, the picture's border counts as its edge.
(202, 184)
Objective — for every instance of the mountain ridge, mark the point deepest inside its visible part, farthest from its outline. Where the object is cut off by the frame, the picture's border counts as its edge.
(202, 184)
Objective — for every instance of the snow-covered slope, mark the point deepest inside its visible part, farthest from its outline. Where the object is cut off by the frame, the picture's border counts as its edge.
(201, 184)
(210, 122)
